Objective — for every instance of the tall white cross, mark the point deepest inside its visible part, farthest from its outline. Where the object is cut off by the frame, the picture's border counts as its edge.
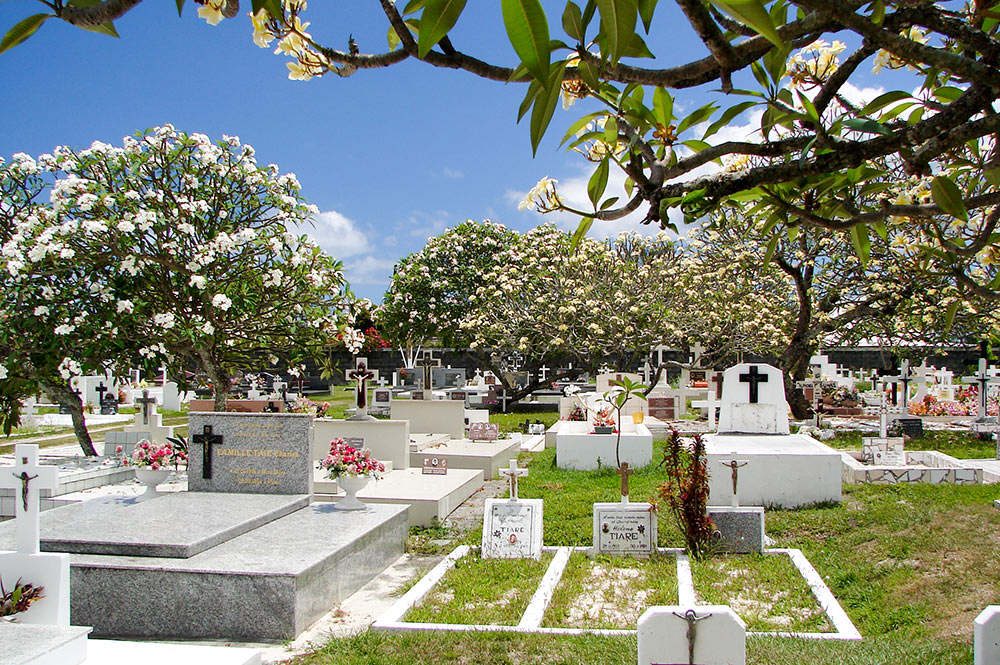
(923, 373)
(984, 377)
(26, 478)
(513, 473)
(696, 350)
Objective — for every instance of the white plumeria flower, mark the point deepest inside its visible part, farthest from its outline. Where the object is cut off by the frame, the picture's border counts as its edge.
(221, 301)
(3, 372)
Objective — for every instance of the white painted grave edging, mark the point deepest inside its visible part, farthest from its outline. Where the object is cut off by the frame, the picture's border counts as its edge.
(531, 619)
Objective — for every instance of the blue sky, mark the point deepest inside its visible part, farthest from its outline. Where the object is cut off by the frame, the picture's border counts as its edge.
(390, 156)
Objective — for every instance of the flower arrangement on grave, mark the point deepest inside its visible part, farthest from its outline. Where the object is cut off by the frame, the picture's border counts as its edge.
(577, 414)
(843, 396)
(346, 460)
(121, 396)
(605, 418)
(685, 492)
(154, 456)
(18, 599)
(303, 404)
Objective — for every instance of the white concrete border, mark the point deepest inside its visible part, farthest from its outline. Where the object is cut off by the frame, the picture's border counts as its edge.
(531, 619)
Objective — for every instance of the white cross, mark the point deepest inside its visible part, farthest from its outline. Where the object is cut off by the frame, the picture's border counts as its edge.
(922, 373)
(26, 493)
(984, 377)
(544, 371)
(696, 350)
(513, 473)
(710, 402)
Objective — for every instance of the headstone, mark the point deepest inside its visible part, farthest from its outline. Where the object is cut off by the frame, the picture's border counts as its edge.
(699, 635)
(986, 637)
(512, 528)
(250, 453)
(109, 405)
(983, 379)
(753, 400)
(883, 451)
(382, 398)
(49, 570)
(738, 529)
(624, 529)
(484, 431)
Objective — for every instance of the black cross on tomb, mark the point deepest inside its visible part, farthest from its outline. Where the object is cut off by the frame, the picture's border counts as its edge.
(100, 390)
(206, 439)
(145, 401)
(753, 378)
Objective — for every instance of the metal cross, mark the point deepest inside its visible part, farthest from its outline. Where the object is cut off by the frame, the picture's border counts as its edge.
(513, 473)
(625, 472)
(753, 378)
(692, 619)
(735, 465)
(206, 439)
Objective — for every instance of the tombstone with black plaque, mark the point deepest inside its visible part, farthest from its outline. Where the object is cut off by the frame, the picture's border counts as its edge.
(109, 405)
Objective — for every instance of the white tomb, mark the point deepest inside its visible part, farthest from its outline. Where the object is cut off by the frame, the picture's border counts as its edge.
(785, 470)
(578, 448)
(702, 634)
(47, 570)
(148, 421)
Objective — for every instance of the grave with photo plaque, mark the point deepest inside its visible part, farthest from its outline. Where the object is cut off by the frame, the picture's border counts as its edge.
(250, 453)
(484, 431)
(624, 529)
(434, 466)
(512, 528)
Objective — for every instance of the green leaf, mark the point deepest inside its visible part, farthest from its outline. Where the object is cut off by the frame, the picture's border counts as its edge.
(728, 115)
(663, 106)
(948, 197)
(180, 6)
(618, 19)
(880, 228)
(753, 14)
(772, 247)
(884, 100)
(948, 93)
(646, 9)
(107, 28)
(949, 317)
(580, 233)
(608, 203)
(993, 176)
(697, 116)
(438, 18)
(696, 145)
(22, 31)
(580, 123)
(572, 20)
(589, 74)
(867, 126)
(273, 7)
(637, 48)
(545, 104)
(529, 98)
(598, 182)
(528, 32)
(878, 12)
(413, 6)
(862, 243)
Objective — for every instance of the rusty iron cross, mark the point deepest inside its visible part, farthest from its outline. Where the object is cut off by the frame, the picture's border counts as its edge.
(625, 472)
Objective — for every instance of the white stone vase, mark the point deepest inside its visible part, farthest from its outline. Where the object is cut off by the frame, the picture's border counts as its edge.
(150, 478)
(351, 486)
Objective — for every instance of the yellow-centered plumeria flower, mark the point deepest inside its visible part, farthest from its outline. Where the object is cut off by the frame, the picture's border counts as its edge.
(211, 11)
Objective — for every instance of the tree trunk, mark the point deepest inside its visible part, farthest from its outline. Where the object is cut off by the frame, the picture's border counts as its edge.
(66, 397)
(795, 367)
(221, 384)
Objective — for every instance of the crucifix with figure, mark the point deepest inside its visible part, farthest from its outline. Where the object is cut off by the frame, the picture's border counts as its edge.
(206, 440)
(513, 473)
(362, 375)
(753, 378)
(27, 478)
(625, 472)
(146, 401)
(735, 466)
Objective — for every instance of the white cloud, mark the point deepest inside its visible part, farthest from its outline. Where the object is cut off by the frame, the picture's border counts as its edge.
(452, 173)
(369, 270)
(339, 236)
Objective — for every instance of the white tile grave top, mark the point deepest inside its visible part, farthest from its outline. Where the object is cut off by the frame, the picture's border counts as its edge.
(753, 400)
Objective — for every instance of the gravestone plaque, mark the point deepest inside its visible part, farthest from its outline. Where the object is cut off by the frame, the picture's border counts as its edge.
(458, 395)
(912, 427)
(512, 529)
(624, 529)
(255, 453)
(662, 408)
(880, 451)
(417, 395)
(434, 466)
(484, 431)
(109, 406)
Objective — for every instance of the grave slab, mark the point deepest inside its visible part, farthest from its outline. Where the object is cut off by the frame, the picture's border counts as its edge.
(269, 584)
(740, 529)
(486, 456)
(429, 497)
(783, 471)
(576, 448)
(163, 527)
(719, 635)
(28, 644)
(119, 652)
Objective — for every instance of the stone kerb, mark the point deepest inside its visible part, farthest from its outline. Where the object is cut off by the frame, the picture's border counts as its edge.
(250, 453)
(753, 400)
(431, 416)
(665, 634)
(389, 440)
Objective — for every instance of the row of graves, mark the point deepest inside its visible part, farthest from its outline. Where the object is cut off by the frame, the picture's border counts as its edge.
(752, 450)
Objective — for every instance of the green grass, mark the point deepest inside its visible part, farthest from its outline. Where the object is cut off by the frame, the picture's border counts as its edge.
(962, 445)
(482, 592)
(511, 422)
(767, 592)
(610, 592)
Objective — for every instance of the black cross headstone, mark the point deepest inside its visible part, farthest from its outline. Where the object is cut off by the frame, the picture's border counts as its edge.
(100, 390)
(206, 439)
(145, 401)
(753, 378)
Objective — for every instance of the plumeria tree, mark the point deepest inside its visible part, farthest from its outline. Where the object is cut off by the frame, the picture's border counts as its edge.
(433, 290)
(191, 241)
(795, 62)
(608, 300)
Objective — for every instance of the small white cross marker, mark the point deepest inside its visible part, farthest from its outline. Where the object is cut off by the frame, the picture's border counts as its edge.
(513, 473)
